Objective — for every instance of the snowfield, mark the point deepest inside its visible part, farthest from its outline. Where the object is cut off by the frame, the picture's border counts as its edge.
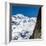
(22, 26)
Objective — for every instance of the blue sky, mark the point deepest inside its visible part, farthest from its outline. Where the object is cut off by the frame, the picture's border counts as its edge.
(27, 11)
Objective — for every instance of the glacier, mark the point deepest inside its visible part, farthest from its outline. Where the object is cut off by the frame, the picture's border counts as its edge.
(22, 26)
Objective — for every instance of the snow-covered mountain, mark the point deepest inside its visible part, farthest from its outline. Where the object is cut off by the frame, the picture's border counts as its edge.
(22, 26)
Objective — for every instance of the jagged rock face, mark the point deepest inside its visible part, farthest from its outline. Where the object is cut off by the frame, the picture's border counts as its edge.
(22, 26)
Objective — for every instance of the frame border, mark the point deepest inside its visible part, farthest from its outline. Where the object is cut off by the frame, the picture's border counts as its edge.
(7, 22)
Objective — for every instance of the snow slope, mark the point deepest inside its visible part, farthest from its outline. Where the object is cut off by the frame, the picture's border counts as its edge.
(22, 26)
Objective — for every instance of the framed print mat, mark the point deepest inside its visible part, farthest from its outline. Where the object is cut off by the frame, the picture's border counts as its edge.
(23, 22)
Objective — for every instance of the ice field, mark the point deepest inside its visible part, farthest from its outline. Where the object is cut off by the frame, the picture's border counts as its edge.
(22, 26)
